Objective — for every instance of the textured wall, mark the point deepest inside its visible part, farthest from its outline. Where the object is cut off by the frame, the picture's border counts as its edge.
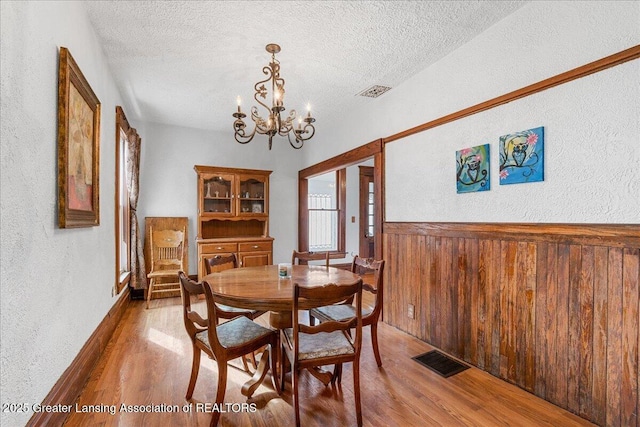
(56, 284)
(591, 125)
(591, 152)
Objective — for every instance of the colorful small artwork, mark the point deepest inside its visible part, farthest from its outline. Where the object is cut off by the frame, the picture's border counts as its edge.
(522, 157)
(472, 169)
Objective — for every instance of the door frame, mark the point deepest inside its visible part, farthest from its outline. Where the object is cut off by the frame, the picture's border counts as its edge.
(366, 176)
(375, 150)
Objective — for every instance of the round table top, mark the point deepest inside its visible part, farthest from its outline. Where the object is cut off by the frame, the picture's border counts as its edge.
(261, 288)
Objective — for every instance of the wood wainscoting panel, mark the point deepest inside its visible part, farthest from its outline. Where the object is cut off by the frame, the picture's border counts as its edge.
(551, 308)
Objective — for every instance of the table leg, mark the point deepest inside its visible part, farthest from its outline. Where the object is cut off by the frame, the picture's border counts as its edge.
(280, 319)
(324, 376)
(250, 386)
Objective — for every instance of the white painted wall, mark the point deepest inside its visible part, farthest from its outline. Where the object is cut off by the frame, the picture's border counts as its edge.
(56, 283)
(168, 183)
(591, 125)
(592, 150)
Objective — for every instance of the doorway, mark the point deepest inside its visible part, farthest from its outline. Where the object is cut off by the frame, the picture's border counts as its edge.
(367, 212)
(373, 150)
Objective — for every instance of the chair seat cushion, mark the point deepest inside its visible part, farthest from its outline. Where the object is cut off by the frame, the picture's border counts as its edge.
(322, 344)
(337, 312)
(234, 309)
(236, 332)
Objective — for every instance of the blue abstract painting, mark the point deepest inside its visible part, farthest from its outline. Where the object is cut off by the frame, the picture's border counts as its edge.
(472, 169)
(522, 157)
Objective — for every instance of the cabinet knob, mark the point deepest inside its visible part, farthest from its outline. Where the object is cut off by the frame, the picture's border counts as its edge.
(255, 246)
(219, 248)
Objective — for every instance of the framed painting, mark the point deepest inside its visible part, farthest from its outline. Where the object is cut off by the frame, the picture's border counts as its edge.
(522, 157)
(78, 147)
(472, 169)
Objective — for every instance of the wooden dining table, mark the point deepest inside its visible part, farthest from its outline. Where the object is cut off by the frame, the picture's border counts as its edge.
(261, 288)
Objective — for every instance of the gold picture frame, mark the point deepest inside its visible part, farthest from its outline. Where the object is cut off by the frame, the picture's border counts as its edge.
(78, 147)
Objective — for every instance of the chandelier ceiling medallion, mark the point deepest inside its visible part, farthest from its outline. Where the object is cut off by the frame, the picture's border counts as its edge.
(274, 123)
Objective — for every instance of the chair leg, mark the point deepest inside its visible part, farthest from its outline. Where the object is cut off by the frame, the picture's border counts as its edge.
(281, 358)
(195, 368)
(273, 353)
(374, 343)
(151, 283)
(312, 320)
(222, 386)
(294, 393)
(245, 364)
(252, 357)
(337, 373)
(356, 391)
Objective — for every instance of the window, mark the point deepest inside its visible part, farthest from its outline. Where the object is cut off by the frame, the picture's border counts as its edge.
(123, 227)
(323, 222)
(325, 204)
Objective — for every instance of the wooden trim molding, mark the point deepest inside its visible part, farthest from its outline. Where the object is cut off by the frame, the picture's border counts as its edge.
(343, 160)
(616, 235)
(342, 209)
(122, 125)
(590, 68)
(71, 383)
(375, 150)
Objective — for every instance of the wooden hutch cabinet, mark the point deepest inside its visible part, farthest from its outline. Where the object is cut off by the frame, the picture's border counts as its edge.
(233, 215)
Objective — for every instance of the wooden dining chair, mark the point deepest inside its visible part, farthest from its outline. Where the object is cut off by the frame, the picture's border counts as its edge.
(219, 263)
(370, 315)
(229, 340)
(303, 258)
(308, 347)
(166, 260)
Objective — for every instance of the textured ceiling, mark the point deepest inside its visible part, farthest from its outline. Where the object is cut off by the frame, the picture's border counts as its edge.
(185, 62)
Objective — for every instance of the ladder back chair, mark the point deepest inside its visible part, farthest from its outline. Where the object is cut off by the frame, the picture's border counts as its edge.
(303, 258)
(166, 260)
(308, 347)
(370, 315)
(219, 263)
(229, 340)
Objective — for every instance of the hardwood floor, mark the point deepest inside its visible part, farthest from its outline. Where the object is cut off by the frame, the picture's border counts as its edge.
(148, 362)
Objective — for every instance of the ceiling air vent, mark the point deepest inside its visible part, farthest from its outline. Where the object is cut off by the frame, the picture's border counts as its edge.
(374, 91)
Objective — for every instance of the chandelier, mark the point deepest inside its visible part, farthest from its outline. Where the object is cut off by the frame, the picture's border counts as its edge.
(274, 123)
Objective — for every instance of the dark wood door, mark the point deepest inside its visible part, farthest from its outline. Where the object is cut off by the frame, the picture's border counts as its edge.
(367, 213)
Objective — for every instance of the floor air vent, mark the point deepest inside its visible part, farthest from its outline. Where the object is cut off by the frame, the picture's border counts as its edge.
(440, 363)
